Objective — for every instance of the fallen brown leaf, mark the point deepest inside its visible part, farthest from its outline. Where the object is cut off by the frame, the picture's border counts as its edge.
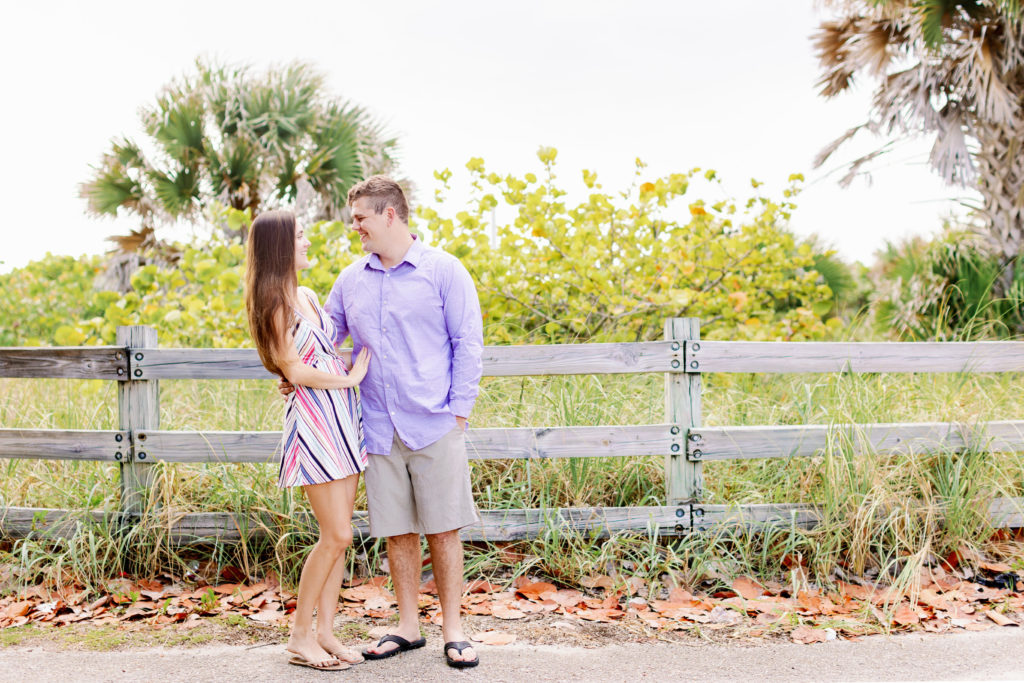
(248, 593)
(567, 597)
(652, 620)
(19, 609)
(806, 634)
(480, 586)
(856, 592)
(997, 567)
(1000, 619)
(267, 616)
(379, 602)
(678, 594)
(978, 626)
(929, 597)
(533, 590)
(603, 615)
(503, 611)
(362, 593)
(748, 588)
(598, 581)
(810, 601)
(494, 638)
(905, 615)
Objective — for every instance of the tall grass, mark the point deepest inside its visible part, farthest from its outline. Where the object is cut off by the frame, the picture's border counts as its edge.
(880, 513)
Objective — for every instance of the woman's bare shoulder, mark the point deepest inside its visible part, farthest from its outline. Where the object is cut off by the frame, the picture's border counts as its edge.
(310, 293)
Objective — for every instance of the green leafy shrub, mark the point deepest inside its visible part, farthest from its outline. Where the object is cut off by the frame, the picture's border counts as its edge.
(40, 303)
(615, 266)
(612, 267)
(945, 289)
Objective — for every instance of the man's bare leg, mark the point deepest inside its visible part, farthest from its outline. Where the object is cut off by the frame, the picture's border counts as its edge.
(405, 560)
(446, 554)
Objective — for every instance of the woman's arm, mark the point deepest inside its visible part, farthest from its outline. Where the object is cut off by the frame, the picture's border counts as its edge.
(297, 372)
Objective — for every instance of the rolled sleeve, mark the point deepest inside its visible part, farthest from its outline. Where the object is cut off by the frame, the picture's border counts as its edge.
(465, 329)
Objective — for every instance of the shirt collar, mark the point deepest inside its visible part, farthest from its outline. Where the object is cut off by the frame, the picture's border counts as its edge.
(412, 255)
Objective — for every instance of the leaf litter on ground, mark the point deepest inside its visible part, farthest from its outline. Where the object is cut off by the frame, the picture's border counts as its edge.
(945, 598)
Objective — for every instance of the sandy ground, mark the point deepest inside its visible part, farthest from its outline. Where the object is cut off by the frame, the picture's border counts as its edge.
(993, 655)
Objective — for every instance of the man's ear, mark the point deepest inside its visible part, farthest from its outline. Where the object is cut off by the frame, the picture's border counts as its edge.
(389, 214)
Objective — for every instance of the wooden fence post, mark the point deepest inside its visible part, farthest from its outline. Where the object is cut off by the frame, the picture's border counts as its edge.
(138, 406)
(684, 480)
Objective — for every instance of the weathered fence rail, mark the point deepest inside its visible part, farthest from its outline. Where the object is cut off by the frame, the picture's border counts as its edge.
(71, 362)
(137, 364)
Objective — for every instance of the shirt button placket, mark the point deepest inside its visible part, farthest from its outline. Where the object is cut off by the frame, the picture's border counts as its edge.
(389, 398)
(384, 314)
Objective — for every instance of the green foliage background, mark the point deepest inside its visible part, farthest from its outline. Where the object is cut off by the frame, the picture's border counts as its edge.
(946, 289)
(35, 301)
(611, 267)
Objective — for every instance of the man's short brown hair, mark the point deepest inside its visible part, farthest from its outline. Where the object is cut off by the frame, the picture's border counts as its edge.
(384, 192)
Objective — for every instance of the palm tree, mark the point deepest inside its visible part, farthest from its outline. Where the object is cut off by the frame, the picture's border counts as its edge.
(954, 70)
(247, 140)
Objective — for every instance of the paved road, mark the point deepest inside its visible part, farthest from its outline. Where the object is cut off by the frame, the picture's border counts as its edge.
(992, 655)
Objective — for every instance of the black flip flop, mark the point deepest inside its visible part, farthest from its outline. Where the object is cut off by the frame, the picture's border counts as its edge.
(403, 646)
(459, 646)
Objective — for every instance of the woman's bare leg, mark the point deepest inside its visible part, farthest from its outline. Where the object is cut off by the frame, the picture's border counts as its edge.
(329, 502)
(327, 604)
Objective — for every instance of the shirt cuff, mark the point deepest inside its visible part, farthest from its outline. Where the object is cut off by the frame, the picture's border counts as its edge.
(461, 408)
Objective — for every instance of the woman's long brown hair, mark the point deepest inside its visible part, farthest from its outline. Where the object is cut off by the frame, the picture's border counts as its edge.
(270, 281)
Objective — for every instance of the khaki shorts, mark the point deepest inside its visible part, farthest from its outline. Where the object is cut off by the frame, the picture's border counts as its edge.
(420, 492)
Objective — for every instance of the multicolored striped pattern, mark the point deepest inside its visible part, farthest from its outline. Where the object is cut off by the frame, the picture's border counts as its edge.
(323, 428)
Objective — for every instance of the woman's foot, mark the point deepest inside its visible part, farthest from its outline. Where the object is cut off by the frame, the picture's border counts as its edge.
(309, 650)
(335, 648)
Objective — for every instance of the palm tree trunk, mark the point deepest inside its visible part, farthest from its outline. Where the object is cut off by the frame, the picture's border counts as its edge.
(1001, 183)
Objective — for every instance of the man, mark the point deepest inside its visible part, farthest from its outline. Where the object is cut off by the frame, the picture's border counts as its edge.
(416, 309)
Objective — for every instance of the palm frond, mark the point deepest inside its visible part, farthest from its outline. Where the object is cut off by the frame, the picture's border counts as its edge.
(934, 15)
(831, 147)
(110, 189)
(178, 192)
(247, 139)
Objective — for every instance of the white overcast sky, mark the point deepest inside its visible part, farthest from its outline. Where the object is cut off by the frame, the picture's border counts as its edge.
(723, 85)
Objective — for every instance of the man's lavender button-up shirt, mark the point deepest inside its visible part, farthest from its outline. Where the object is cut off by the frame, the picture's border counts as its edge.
(421, 321)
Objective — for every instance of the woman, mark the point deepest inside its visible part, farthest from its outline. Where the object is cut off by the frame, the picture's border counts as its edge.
(324, 450)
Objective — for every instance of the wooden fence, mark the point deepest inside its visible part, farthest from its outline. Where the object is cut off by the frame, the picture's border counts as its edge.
(137, 364)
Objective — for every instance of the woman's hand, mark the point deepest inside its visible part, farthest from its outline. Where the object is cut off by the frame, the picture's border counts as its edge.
(285, 387)
(360, 366)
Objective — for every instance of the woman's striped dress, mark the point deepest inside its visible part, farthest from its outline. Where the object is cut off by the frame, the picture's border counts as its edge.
(323, 428)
